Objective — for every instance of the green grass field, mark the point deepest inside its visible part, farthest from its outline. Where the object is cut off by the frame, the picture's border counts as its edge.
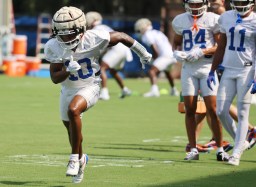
(131, 142)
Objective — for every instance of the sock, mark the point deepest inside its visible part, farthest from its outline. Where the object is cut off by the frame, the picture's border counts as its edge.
(74, 157)
(154, 87)
(194, 150)
(81, 161)
(220, 149)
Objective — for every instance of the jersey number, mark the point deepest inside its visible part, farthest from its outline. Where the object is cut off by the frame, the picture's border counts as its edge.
(80, 73)
(188, 39)
(232, 36)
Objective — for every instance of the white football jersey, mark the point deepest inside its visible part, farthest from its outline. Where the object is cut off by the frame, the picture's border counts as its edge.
(203, 37)
(118, 47)
(87, 55)
(159, 39)
(241, 41)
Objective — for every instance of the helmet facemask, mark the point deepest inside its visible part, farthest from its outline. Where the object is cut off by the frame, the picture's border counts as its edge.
(242, 7)
(68, 26)
(69, 39)
(196, 7)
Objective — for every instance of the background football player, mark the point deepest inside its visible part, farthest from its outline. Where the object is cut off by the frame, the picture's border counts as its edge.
(162, 54)
(236, 52)
(74, 53)
(196, 33)
(113, 59)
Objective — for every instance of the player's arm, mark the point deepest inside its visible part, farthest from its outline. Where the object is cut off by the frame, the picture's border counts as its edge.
(219, 53)
(58, 72)
(177, 42)
(211, 50)
(116, 37)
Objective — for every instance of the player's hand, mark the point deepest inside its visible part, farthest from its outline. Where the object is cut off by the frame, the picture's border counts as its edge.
(146, 60)
(73, 66)
(180, 56)
(253, 90)
(195, 54)
(210, 79)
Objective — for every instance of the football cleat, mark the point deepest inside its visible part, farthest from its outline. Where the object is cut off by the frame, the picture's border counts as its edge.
(73, 168)
(104, 95)
(245, 145)
(82, 163)
(125, 92)
(152, 94)
(222, 156)
(200, 148)
(251, 137)
(192, 156)
(174, 92)
(233, 160)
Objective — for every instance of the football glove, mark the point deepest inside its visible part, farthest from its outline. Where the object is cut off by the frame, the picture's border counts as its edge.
(146, 60)
(145, 57)
(180, 56)
(73, 66)
(210, 79)
(253, 90)
(195, 54)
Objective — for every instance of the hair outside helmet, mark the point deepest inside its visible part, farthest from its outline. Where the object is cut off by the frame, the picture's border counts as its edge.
(200, 11)
(93, 18)
(242, 10)
(142, 25)
(67, 21)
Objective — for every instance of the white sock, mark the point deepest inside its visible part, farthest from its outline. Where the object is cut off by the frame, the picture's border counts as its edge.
(154, 87)
(194, 150)
(220, 149)
(74, 157)
(81, 161)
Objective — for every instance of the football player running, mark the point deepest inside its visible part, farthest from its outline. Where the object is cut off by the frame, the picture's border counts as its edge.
(197, 32)
(73, 53)
(113, 59)
(236, 52)
(162, 54)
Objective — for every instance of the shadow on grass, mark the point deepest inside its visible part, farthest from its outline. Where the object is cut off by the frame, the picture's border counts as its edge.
(23, 183)
(141, 147)
(26, 183)
(232, 179)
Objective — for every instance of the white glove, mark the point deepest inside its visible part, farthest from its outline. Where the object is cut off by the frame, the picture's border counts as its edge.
(195, 54)
(146, 60)
(73, 66)
(180, 56)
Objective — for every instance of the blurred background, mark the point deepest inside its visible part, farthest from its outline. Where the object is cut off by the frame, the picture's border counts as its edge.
(25, 26)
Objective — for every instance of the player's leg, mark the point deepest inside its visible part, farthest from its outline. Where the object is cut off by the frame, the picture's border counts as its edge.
(154, 91)
(210, 103)
(125, 91)
(243, 106)
(75, 109)
(83, 99)
(66, 124)
(190, 121)
(225, 96)
(190, 87)
(170, 79)
(199, 123)
(104, 94)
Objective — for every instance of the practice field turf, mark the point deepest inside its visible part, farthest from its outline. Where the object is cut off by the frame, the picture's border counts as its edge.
(131, 142)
